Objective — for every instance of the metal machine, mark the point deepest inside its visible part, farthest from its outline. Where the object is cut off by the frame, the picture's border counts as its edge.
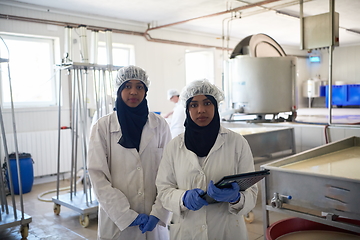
(259, 78)
(319, 192)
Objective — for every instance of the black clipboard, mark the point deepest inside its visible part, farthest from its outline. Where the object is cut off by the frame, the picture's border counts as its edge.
(245, 180)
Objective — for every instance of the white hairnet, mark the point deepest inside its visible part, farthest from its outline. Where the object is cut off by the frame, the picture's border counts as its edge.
(131, 73)
(201, 87)
(171, 93)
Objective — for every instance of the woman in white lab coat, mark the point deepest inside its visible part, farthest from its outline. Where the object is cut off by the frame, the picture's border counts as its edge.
(196, 159)
(125, 149)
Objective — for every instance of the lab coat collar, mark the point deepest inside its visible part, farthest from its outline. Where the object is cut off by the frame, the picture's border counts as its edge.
(148, 130)
(114, 123)
(220, 140)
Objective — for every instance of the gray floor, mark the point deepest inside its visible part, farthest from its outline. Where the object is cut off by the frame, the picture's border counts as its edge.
(47, 225)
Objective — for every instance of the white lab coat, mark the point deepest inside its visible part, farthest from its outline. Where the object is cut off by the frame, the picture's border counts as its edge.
(179, 171)
(177, 120)
(124, 180)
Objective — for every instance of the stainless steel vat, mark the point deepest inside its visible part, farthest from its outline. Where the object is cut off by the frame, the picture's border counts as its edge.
(312, 195)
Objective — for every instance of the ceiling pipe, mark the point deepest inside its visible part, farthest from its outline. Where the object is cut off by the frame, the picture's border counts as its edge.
(145, 34)
(215, 14)
(149, 38)
(97, 28)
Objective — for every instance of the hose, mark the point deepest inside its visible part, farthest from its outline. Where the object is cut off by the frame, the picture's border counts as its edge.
(40, 196)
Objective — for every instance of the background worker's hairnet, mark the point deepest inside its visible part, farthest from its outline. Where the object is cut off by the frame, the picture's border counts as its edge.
(201, 87)
(131, 73)
(171, 93)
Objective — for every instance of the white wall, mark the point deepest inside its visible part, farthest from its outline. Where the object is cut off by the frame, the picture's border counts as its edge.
(164, 62)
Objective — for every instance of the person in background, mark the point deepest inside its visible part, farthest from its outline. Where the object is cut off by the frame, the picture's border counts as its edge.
(124, 153)
(178, 113)
(194, 160)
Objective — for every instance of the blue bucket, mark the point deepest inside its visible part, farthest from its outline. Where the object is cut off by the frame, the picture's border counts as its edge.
(26, 172)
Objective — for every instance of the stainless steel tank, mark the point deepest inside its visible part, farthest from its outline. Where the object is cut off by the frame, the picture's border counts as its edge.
(260, 85)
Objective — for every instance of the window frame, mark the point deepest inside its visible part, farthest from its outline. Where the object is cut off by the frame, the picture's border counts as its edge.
(210, 63)
(130, 48)
(53, 78)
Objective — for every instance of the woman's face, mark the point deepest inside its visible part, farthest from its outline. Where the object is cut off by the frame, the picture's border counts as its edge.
(201, 110)
(133, 93)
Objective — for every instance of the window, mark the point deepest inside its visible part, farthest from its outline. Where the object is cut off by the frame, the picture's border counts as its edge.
(33, 78)
(123, 54)
(199, 65)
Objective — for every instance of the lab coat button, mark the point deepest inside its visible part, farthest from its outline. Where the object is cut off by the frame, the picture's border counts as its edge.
(203, 226)
(138, 168)
(139, 193)
(202, 173)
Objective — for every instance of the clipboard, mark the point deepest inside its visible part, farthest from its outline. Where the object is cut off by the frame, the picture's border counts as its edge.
(244, 180)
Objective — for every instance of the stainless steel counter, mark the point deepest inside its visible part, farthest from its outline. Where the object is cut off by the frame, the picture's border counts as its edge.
(265, 141)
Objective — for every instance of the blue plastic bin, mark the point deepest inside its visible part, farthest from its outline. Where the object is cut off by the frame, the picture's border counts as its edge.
(344, 95)
(26, 171)
(354, 94)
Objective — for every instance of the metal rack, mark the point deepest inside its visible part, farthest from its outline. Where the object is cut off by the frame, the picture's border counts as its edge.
(79, 75)
(316, 196)
(10, 216)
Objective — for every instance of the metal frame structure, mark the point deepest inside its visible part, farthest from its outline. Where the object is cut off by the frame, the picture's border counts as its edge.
(9, 215)
(316, 197)
(82, 201)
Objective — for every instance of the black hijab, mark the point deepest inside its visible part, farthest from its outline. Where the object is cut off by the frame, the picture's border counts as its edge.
(198, 139)
(131, 120)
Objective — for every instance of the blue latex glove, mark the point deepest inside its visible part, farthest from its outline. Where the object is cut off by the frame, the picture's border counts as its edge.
(230, 194)
(141, 220)
(150, 225)
(193, 200)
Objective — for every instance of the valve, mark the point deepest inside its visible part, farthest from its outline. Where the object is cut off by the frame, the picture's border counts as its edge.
(277, 200)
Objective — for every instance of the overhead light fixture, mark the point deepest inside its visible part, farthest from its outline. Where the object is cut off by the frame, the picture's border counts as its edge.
(286, 14)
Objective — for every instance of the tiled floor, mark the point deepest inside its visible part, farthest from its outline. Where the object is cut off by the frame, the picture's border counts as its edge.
(46, 225)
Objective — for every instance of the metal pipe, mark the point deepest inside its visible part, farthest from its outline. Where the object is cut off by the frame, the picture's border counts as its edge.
(83, 44)
(67, 45)
(73, 129)
(95, 83)
(301, 25)
(81, 87)
(215, 14)
(7, 161)
(58, 145)
(94, 46)
(331, 50)
(157, 40)
(108, 34)
(114, 30)
(16, 149)
(76, 125)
